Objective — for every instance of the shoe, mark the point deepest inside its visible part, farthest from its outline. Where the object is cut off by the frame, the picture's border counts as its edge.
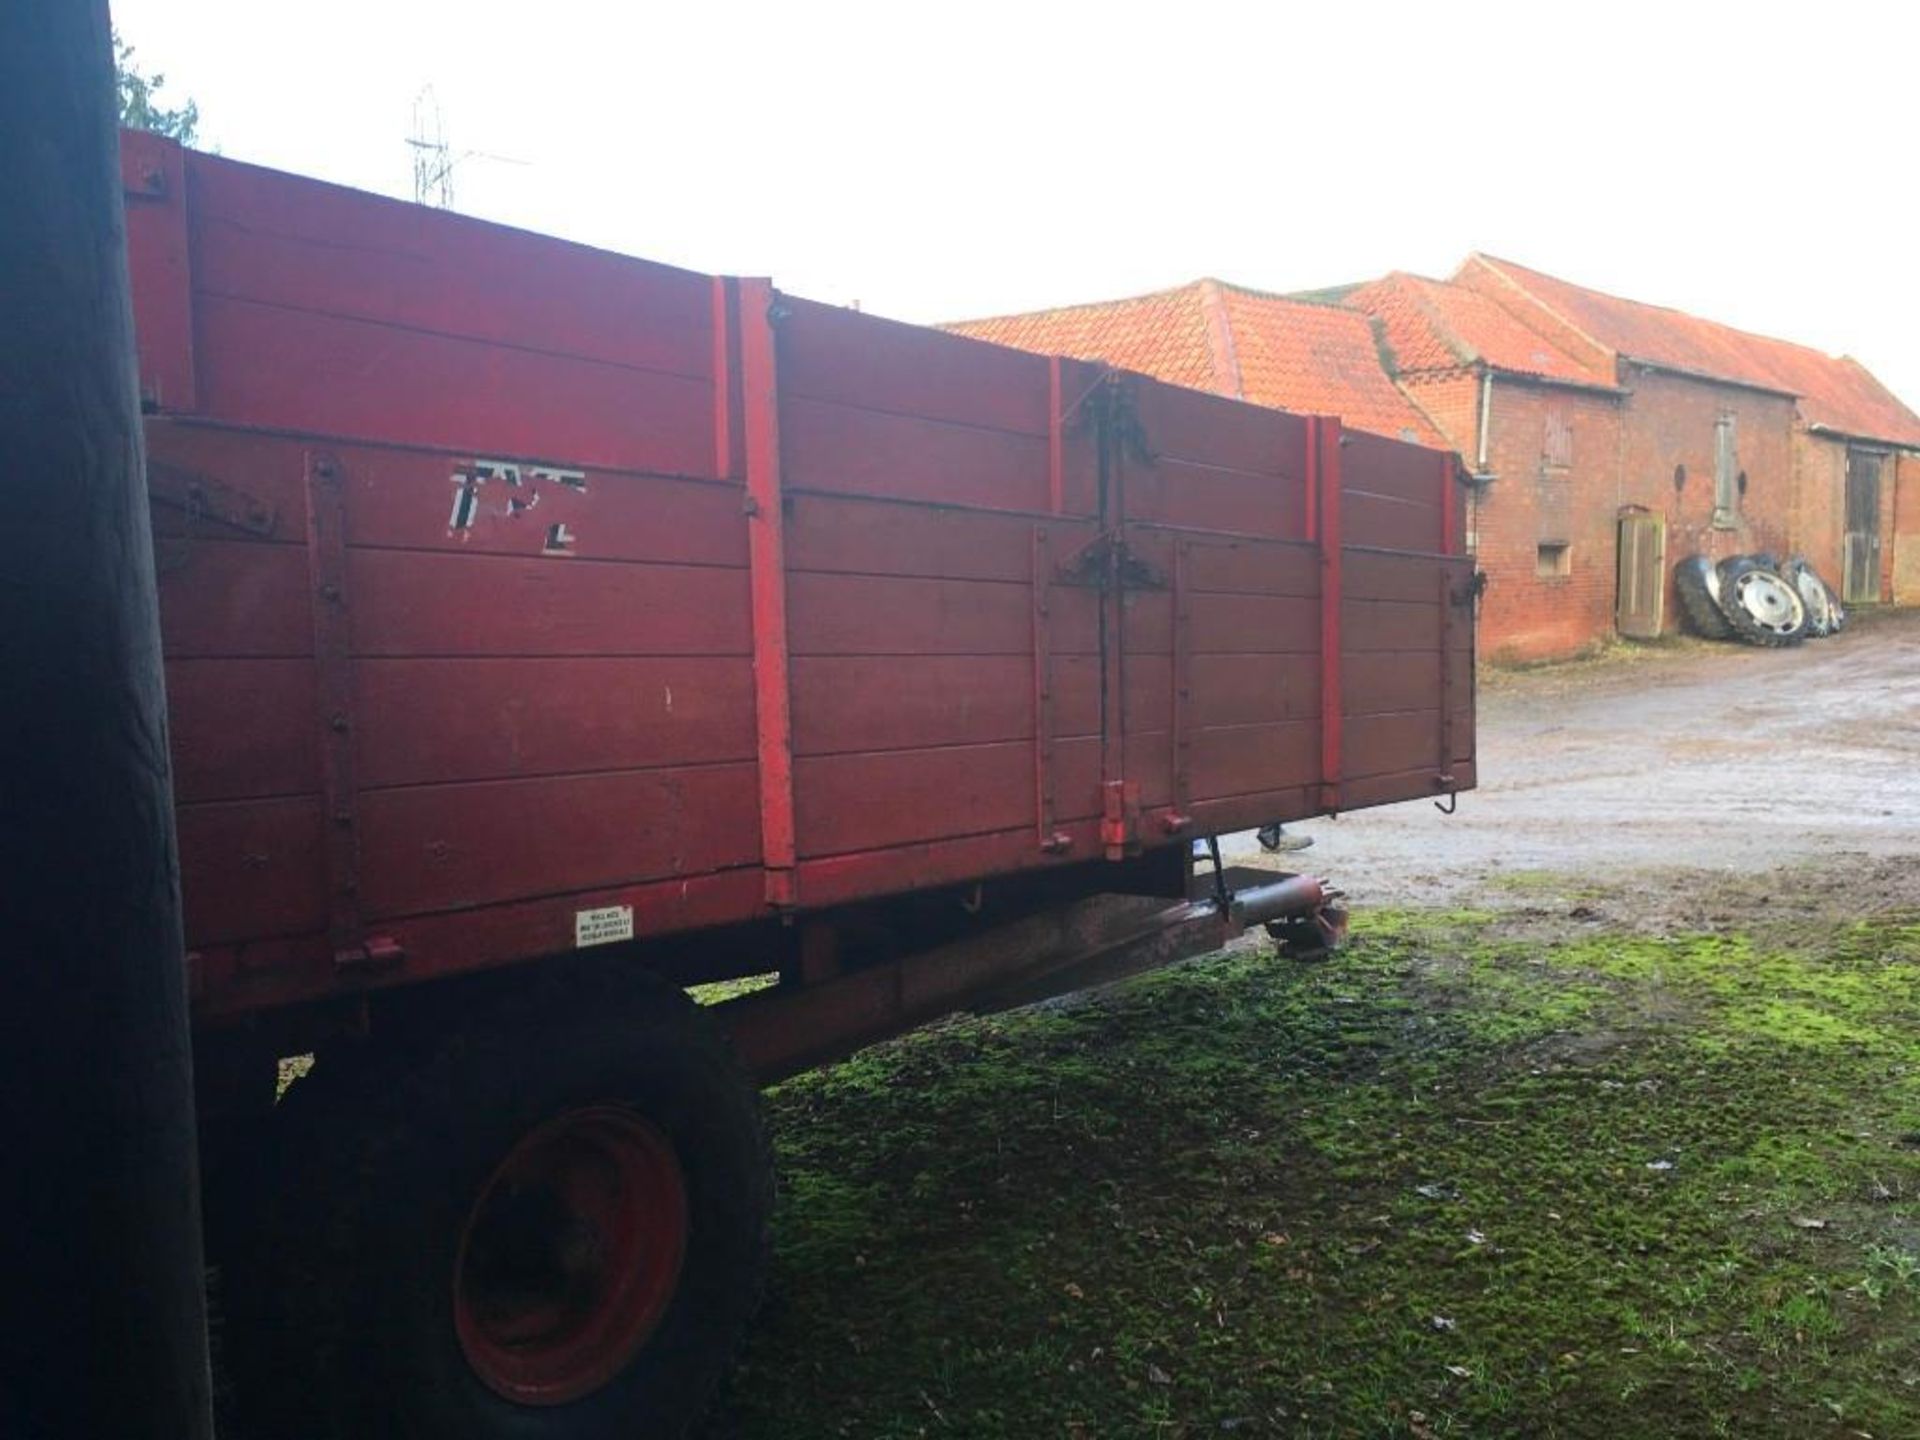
(1275, 840)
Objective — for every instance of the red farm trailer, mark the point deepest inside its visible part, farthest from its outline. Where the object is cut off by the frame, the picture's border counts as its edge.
(548, 631)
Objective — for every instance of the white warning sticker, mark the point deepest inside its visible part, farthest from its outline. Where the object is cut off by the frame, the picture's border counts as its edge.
(599, 927)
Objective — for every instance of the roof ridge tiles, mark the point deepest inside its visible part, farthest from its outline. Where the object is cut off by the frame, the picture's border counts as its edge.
(1073, 306)
(1462, 349)
(1496, 261)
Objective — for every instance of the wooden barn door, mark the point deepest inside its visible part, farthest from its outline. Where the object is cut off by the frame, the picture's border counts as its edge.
(1860, 579)
(1641, 582)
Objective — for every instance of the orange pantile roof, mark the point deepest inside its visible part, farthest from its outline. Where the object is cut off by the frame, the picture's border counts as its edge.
(1432, 325)
(1319, 360)
(1288, 354)
(1834, 392)
(1163, 335)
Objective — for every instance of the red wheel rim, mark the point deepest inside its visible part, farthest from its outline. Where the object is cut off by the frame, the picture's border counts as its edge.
(570, 1255)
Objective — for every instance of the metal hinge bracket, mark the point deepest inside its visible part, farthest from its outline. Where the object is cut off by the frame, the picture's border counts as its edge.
(204, 497)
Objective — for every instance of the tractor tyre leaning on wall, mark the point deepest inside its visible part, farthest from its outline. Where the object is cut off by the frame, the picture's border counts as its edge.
(1699, 586)
(1761, 606)
(1824, 616)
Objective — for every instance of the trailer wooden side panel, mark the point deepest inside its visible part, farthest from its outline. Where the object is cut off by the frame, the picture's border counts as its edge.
(518, 596)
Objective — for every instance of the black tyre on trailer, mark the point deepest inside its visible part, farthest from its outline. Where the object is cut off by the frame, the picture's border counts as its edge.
(546, 1223)
(1699, 585)
(1761, 606)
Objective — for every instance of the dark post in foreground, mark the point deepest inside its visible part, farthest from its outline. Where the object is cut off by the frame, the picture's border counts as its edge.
(103, 1325)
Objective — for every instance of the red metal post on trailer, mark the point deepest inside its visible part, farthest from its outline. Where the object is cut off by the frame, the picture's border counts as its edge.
(1051, 840)
(333, 674)
(1450, 547)
(766, 559)
(1323, 470)
(1180, 692)
(1119, 796)
(1056, 439)
(1310, 486)
(726, 363)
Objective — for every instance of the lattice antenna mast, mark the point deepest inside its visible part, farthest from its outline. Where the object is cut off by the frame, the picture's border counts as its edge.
(433, 161)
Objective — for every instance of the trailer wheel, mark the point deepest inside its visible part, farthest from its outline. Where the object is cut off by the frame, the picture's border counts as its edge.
(1762, 606)
(551, 1222)
(1699, 585)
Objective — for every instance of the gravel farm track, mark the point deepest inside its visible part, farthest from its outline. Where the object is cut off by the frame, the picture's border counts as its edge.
(1718, 757)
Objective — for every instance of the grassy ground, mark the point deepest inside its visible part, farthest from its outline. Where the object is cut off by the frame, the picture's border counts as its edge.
(1510, 1173)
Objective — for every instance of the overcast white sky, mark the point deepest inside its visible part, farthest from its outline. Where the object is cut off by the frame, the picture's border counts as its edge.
(1746, 162)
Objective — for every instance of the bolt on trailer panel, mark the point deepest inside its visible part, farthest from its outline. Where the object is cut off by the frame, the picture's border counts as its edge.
(519, 597)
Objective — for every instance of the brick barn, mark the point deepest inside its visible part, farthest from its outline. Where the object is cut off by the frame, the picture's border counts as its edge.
(1604, 438)
(1578, 412)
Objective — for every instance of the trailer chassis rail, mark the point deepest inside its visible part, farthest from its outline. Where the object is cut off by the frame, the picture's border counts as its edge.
(781, 1032)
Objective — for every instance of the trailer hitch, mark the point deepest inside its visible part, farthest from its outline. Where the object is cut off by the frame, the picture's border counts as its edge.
(1305, 915)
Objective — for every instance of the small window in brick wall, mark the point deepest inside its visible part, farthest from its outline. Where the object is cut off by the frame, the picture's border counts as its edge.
(1553, 560)
(1556, 450)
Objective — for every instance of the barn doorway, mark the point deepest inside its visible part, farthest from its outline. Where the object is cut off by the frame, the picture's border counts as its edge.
(1860, 565)
(1640, 591)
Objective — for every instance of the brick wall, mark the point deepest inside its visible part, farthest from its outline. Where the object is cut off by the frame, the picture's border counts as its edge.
(1903, 550)
(1540, 498)
(1671, 421)
(1818, 526)
(1625, 454)
(1525, 615)
(1451, 399)
(1820, 517)
(1890, 502)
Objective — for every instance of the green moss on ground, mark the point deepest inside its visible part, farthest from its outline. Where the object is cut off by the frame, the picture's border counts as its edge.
(718, 992)
(1459, 1181)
